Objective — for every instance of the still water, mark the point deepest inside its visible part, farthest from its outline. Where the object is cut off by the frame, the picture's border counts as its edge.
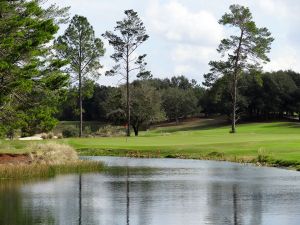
(157, 192)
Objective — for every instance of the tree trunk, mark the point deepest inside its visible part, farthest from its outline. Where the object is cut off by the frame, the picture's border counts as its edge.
(80, 87)
(177, 120)
(233, 119)
(235, 79)
(136, 130)
(80, 106)
(128, 96)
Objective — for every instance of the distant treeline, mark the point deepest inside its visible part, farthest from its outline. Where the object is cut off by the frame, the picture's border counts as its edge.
(261, 96)
(152, 100)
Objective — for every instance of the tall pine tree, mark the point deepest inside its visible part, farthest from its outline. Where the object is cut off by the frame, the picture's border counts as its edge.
(242, 52)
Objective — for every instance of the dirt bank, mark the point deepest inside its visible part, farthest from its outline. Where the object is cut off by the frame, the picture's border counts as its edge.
(15, 159)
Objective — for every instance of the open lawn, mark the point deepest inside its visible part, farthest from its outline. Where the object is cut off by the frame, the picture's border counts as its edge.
(274, 143)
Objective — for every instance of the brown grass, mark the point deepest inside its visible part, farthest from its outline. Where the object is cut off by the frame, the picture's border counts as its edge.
(49, 160)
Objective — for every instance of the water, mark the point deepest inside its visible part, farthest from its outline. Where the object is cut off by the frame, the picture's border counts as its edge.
(157, 192)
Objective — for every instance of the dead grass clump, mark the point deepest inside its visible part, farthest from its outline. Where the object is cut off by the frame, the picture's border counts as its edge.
(52, 153)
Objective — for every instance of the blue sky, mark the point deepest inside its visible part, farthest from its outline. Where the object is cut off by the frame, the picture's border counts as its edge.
(184, 34)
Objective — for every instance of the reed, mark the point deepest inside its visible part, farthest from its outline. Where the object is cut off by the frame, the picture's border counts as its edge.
(33, 171)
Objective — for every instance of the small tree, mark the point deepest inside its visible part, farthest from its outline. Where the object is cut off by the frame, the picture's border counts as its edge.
(83, 50)
(132, 35)
(146, 106)
(242, 52)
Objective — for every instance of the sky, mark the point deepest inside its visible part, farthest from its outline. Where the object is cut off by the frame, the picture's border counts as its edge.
(184, 34)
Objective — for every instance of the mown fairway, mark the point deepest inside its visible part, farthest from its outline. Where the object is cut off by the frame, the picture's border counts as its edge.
(198, 139)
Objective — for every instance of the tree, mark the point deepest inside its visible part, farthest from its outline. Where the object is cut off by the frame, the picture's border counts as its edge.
(146, 106)
(132, 33)
(83, 50)
(240, 53)
(179, 103)
(27, 65)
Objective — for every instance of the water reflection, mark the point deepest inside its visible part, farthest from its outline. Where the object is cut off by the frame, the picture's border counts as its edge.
(80, 199)
(167, 192)
(127, 196)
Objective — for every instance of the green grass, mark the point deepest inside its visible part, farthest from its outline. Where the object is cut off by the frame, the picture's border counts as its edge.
(276, 143)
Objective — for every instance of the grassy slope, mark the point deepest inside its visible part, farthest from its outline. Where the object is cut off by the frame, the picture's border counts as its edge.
(202, 139)
(279, 140)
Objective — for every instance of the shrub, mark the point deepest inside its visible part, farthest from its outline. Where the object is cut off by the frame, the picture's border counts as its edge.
(263, 156)
(50, 135)
(87, 130)
(47, 136)
(44, 136)
(111, 131)
(70, 131)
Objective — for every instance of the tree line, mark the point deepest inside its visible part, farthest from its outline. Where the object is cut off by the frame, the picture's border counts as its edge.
(152, 100)
(261, 96)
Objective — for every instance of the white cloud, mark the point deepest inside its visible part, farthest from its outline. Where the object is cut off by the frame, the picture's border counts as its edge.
(183, 69)
(175, 22)
(191, 53)
(274, 7)
(193, 34)
(286, 59)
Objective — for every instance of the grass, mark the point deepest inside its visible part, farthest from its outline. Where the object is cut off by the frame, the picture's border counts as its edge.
(274, 143)
(36, 171)
(46, 160)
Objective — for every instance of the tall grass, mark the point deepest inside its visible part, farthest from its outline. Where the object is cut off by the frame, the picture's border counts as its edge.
(33, 171)
(49, 160)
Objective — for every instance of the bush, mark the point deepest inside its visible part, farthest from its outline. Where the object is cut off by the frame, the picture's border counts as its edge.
(70, 131)
(111, 131)
(263, 156)
(47, 136)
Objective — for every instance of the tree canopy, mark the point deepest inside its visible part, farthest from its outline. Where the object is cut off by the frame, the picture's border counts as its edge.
(28, 67)
(83, 51)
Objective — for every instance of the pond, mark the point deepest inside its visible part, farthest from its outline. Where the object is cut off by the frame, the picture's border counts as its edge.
(157, 192)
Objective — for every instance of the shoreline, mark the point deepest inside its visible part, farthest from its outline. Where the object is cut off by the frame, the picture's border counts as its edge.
(267, 162)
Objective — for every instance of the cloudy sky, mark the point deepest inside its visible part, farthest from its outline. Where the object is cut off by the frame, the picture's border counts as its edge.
(184, 34)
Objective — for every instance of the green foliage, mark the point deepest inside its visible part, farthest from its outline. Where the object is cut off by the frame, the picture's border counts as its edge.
(27, 65)
(81, 48)
(83, 51)
(179, 103)
(131, 34)
(70, 131)
(114, 106)
(261, 96)
(145, 106)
